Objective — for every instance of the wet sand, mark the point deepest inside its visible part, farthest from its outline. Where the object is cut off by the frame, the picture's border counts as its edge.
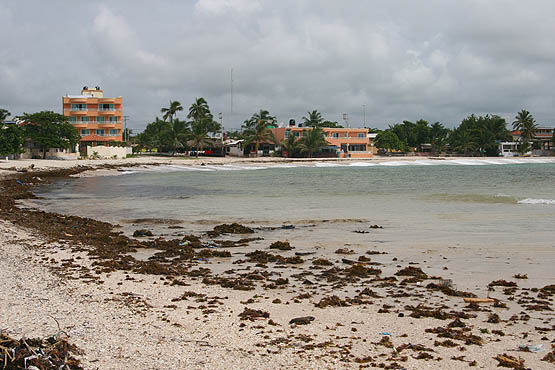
(181, 307)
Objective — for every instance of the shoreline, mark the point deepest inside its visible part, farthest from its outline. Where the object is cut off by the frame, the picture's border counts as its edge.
(105, 299)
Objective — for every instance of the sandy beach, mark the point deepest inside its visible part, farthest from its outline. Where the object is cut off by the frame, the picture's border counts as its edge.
(359, 307)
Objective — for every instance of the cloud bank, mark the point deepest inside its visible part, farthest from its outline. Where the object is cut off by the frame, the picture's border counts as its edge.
(440, 60)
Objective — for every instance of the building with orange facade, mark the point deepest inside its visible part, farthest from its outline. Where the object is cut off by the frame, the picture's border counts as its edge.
(97, 118)
(342, 142)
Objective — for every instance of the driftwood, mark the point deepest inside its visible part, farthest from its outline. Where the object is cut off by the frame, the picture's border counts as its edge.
(479, 300)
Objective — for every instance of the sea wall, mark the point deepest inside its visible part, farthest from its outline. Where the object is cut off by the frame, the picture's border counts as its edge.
(108, 151)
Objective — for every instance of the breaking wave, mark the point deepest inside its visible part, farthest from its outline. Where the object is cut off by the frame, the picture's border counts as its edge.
(537, 201)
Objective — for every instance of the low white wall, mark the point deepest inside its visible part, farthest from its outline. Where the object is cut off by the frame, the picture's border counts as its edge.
(50, 154)
(108, 151)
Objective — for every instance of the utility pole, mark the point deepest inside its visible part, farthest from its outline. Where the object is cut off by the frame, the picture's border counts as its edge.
(125, 135)
(364, 113)
(231, 88)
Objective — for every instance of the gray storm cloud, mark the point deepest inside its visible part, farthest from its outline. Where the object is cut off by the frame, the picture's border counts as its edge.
(437, 60)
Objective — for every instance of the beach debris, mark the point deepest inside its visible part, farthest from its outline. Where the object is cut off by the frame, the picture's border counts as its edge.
(375, 227)
(504, 283)
(252, 314)
(385, 333)
(506, 360)
(344, 251)
(550, 357)
(412, 271)
(479, 300)
(305, 320)
(493, 318)
(53, 352)
(233, 228)
(361, 231)
(322, 262)
(282, 246)
(304, 253)
(424, 311)
(531, 348)
(521, 276)
(142, 233)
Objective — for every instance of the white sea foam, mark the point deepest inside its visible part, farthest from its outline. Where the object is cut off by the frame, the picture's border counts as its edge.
(537, 201)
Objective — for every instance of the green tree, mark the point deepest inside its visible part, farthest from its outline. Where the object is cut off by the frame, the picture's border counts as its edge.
(260, 134)
(49, 130)
(461, 141)
(313, 141)
(314, 119)
(171, 111)
(3, 114)
(526, 124)
(11, 140)
(199, 134)
(199, 110)
(291, 145)
(330, 124)
(262, 117)
(387, 140)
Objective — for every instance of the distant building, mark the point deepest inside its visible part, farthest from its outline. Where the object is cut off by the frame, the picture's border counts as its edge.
(342, 142)
(98, 118)
(542, 142)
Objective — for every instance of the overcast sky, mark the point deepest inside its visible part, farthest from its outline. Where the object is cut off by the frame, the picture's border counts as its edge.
(440, 60)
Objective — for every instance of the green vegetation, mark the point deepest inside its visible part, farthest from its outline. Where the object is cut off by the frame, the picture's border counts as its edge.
(172, 134)
(526, 124)
(257, 129)
(11, 140)
(313, 141)
(476, 135)
(48, 130)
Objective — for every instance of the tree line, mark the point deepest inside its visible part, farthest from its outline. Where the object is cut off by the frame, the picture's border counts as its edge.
(476, 135)
(45, 129)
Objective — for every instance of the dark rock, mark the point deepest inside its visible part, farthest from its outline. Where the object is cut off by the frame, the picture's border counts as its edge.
(142, 233)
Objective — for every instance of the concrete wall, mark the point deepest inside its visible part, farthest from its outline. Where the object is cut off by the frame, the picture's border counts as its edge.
(108, 151)
(50, 154)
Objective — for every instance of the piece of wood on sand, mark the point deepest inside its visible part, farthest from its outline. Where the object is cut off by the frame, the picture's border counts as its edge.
(479, 300)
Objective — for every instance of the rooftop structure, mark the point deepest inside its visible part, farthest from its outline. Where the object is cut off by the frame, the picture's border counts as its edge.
(98, 118)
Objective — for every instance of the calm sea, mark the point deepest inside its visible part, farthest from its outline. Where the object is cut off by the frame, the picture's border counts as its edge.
(496, 202)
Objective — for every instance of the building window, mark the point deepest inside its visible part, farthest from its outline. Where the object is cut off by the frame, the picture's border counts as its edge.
(85, 132)
(113, 132)
(113, 119)
(304, 133)
(105, 107)
(287, 133)
(78, 107)
(335, 134)
(361, 135)
(73, 119)
(345, 135)
(100, 119)
(85, 119)
(296, 133)
(100, 132)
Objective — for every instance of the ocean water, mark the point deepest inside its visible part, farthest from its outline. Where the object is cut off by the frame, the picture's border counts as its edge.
(496, 203)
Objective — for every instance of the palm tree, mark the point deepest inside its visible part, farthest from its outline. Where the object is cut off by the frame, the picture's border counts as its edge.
(462, 141)
(199, 134)
(3, 114)
(526, 124)
(258, 135)
(261, 117)
(291, 145)
(199, 110)
(313, 141)
(314, 119)
(171, 111)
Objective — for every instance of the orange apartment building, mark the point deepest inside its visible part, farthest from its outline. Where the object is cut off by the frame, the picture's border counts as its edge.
(344, 142)
(98, 118)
